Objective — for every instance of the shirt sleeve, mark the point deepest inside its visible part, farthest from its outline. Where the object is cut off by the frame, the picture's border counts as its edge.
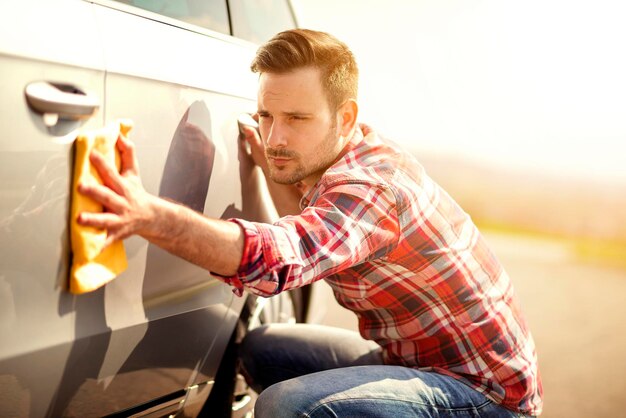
(350, 223)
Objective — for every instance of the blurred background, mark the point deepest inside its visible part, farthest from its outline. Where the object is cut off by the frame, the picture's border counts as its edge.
(518, 109)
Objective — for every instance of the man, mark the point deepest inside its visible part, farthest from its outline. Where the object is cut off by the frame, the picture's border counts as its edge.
(442, 334)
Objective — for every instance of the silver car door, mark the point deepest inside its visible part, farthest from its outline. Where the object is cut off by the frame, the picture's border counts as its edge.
(183, 88)
(51, 64)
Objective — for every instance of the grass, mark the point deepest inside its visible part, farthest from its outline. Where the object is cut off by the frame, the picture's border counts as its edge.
(593, 250)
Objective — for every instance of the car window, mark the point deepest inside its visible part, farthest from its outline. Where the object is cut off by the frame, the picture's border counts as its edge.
(259, 20)
(210, 14)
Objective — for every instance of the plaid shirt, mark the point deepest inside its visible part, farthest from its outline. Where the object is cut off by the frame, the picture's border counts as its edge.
(406, 259)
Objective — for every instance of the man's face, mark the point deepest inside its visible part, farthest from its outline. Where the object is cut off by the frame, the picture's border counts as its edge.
(297, 126)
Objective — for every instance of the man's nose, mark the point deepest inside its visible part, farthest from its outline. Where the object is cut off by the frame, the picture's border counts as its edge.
(276, 137)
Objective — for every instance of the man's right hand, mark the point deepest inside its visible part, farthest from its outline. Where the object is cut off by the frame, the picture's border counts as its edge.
(129, 207)
(213, 244)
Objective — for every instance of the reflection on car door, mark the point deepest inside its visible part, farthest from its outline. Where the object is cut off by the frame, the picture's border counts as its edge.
(183, 90)
(162, 326)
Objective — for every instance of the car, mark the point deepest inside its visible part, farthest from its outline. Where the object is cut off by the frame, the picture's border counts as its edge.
(160, 339)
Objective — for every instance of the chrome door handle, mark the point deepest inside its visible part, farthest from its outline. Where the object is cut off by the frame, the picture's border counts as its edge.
(59, 100)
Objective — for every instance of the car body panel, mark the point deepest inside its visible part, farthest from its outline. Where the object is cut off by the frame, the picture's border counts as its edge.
(36, 172)
(153, 337)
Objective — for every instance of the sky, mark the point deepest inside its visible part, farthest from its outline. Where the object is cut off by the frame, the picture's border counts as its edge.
(533, 85)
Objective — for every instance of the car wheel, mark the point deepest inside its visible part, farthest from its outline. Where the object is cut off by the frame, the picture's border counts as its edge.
(282, 308)
(231, 396)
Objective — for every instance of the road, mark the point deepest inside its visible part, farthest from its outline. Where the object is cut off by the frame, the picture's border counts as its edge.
(577, 314)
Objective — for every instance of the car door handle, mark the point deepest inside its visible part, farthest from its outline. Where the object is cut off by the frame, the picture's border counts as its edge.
(61, 100)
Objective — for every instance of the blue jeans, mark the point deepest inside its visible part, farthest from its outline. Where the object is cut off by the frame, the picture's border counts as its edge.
(303, 370)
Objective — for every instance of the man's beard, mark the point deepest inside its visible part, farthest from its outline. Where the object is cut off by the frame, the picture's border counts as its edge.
(325, 154)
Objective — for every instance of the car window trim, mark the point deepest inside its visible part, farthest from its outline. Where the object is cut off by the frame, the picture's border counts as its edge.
(137, 11)
(289, 8)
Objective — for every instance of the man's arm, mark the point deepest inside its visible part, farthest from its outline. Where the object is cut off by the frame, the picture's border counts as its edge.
(286, 197)
(213, 244)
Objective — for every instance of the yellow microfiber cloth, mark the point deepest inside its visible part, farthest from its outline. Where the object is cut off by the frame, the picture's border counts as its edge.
(93, 267)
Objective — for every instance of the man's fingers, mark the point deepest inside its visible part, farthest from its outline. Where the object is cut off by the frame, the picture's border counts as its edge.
(108, 173)
(248, 132)
(256, 148)
(251, 136)
(98, 220)
(128, 156)
(103, 195)
(245, 133)
(106, 221)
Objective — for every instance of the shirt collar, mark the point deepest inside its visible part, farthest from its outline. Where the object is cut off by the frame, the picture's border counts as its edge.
(355, 140)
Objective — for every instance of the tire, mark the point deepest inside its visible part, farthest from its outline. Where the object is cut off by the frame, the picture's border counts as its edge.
(231, 397)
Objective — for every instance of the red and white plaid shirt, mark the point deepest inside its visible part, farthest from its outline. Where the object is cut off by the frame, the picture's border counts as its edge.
(406, 259)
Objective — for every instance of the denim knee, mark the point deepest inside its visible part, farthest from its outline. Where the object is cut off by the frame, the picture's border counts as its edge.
(281, 400)
(248, 350)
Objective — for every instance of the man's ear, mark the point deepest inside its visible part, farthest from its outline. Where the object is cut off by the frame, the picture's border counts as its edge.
(347, 115)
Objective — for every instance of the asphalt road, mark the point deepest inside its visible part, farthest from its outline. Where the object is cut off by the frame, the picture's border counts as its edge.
(577, 314)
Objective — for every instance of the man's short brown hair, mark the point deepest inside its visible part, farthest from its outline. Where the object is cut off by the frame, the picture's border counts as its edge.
(299, 48)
